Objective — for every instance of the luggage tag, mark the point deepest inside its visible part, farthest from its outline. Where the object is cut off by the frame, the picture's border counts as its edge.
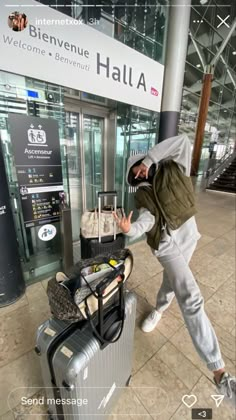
(67, 352)
(118, 279)
(49, 331)
(85, 375)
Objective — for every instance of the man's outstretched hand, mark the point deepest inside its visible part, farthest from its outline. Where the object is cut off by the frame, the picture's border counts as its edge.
(124, 223)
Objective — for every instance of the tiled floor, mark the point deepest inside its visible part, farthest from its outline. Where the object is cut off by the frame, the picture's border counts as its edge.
(165, 364)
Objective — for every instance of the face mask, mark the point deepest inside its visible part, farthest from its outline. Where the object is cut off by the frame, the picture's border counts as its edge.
(134, 182)
(151, 173)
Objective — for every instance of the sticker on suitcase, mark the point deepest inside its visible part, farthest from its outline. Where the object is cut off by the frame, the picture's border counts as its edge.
(85, 375)
(49, 331)
(67, 352)
(129, 308)
(105, 400)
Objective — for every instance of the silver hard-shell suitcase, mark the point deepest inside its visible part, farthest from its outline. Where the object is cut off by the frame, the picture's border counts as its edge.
(80, 372)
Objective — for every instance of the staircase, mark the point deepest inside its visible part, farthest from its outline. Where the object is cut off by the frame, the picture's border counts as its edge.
(226, 180)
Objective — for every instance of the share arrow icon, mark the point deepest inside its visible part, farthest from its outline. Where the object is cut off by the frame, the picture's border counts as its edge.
(218, 399)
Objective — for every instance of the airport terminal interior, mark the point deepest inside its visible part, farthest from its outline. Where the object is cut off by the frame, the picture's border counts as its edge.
(95, 135)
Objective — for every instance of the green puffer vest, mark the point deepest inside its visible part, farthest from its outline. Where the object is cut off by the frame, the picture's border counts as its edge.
(170, 199)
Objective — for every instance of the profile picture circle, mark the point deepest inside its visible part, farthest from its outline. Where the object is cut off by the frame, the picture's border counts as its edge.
(17, 21)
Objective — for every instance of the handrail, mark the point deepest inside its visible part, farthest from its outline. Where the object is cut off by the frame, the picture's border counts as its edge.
(219, 163)
(224, 162)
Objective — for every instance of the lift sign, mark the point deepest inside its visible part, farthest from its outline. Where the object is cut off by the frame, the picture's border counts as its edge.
(47, 232)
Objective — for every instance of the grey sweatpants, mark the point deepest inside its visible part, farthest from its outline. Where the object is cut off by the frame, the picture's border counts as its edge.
(179, 281)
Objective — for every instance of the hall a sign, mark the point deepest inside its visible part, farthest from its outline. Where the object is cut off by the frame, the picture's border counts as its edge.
(78, 57)
(120, 74)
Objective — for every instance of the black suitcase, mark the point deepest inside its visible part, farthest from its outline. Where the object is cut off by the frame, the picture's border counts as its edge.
(90, 247)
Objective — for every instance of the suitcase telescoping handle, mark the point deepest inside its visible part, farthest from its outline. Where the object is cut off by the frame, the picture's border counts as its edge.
(111, 323)
(106, 194)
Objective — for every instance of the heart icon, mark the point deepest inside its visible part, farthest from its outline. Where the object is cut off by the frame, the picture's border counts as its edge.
(189, 400)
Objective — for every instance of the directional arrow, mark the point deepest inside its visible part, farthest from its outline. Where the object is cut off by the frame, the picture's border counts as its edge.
(218, 399)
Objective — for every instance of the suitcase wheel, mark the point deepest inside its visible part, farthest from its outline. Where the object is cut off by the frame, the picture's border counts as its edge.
(37, 350)
(67, 386)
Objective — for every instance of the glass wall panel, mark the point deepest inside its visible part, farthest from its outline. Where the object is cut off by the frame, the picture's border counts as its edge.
(93, 158)
(136, 134)
(209, 32)
(140, 25)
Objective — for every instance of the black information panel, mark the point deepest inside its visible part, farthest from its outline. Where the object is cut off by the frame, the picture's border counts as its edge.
(39, 175)
(40, 207)
(36, 149)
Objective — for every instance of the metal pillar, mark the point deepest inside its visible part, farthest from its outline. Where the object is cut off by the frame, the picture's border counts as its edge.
(12, 284)
(202, 116)
(176, 50)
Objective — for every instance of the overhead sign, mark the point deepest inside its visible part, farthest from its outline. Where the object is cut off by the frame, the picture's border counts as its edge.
(36, 150)
(75, 55)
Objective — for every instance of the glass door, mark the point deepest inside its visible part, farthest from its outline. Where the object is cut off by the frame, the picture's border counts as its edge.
(93, 158)
(85, 149)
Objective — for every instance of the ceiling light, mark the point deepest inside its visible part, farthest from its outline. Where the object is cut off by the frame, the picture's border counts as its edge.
(203, 1)
(198, 65)
(234, 52)
(225, 110)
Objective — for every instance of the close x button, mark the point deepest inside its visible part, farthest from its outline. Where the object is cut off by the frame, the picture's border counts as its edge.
(202, 413)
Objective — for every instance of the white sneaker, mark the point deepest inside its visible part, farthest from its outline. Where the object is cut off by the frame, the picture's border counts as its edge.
(227, 387)
(151, 321)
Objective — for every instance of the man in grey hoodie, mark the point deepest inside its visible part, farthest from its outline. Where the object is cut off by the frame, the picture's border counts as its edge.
(174, 253)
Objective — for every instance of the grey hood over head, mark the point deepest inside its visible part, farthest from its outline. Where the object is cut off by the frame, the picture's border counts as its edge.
(177, 148)
(129, 176)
